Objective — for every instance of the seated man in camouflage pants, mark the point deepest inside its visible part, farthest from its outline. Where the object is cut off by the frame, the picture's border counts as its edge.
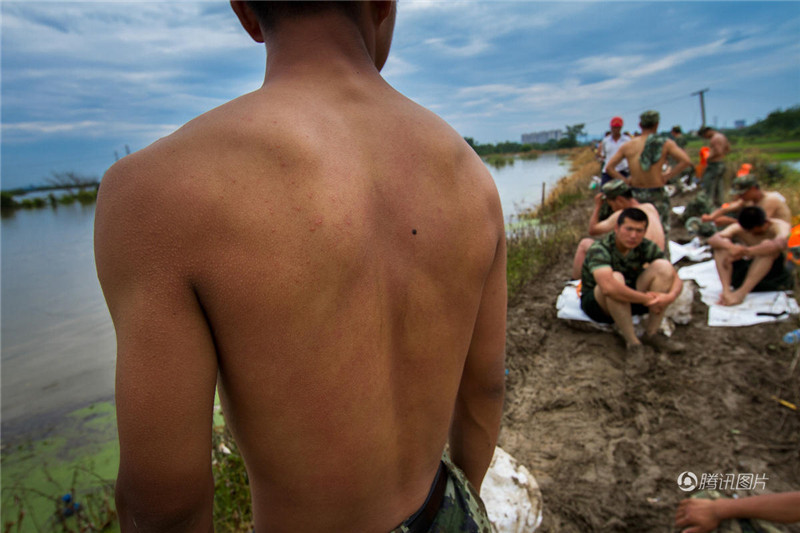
(625, 274)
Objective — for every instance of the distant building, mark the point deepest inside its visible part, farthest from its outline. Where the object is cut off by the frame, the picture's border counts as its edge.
(739, 124)
(541, 137)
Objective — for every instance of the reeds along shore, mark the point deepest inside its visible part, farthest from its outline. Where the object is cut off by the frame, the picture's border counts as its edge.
(531, 249)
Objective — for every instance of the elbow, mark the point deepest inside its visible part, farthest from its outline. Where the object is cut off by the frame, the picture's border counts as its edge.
(185, 509)
(490, 390)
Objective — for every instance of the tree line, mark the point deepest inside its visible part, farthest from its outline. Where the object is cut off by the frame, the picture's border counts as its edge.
(570, 140)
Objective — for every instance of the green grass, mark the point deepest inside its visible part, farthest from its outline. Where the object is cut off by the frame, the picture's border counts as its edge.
(499, 160)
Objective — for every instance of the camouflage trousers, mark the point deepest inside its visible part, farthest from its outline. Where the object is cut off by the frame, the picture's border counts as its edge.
(660, 199)
(714, 182)
(462, 510)
(737, 525)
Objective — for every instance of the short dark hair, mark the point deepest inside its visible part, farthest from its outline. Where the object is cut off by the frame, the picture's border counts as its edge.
(704, 130)
(270, 14)
(626, 194)
(633, 213)
(751, 217)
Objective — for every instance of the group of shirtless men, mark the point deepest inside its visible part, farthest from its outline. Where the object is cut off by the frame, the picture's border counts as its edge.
(627, 271)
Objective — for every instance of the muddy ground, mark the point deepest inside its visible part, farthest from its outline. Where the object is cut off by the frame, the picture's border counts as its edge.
(606, 450)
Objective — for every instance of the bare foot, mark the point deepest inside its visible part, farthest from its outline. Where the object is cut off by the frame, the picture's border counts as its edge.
(732, 298)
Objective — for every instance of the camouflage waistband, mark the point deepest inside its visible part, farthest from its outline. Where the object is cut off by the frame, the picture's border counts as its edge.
(461, 511)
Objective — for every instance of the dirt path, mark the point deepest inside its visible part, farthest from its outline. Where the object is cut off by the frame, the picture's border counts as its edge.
(607, 451)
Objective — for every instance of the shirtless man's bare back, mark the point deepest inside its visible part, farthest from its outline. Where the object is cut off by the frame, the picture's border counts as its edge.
(332, 257)
(646, 156)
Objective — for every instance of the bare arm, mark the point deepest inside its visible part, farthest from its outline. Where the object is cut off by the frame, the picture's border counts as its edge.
(479, 404)
(599, 227)
(723, 239)
(775, 245)
(726, 208)
(662, 300)
(677, 153)
(768, 247)
(702, 516)
(611, 166)
(166, 362)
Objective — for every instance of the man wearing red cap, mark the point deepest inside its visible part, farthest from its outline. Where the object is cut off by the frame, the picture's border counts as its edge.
(609, 146)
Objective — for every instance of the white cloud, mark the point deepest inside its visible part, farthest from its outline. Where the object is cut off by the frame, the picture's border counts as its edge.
(21, 131)
(473, 47)
(397, 67)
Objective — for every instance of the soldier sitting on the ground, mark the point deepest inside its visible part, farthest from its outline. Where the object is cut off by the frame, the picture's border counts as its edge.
(746, 191)
(625, 274)
(758, 264)
(617, 195)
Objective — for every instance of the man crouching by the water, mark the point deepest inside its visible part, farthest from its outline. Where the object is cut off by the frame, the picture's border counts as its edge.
(331, 256)
(625, 274)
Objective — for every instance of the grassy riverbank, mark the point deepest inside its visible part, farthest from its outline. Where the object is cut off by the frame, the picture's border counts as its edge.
(532, 247)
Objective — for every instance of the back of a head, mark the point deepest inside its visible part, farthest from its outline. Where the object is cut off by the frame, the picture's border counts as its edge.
(702, 131)
(632, 213)
(649, 119)
(270, 14)
(752, 217)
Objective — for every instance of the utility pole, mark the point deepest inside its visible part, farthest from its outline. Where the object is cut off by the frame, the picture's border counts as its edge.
(702, 105)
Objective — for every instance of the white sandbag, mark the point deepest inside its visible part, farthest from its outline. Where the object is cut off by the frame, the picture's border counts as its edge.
(511, 495)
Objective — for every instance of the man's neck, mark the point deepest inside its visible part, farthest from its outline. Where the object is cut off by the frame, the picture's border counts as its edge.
(326, 46)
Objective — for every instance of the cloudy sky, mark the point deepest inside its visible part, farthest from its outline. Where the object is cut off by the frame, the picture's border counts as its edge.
(81, 81)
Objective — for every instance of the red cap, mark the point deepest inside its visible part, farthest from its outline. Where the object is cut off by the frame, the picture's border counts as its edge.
(616, 122)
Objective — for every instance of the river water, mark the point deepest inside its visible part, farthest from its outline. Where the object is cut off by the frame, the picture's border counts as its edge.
(56, 336)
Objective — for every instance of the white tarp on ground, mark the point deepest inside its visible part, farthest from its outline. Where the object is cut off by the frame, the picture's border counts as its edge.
(757, 307)
(511, 495)
(692, 250)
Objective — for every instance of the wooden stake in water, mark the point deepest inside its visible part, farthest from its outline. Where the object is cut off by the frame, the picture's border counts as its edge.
(544, 185)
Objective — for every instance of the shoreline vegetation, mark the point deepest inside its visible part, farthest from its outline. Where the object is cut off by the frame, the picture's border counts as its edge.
(82, 189)
(39, 475)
